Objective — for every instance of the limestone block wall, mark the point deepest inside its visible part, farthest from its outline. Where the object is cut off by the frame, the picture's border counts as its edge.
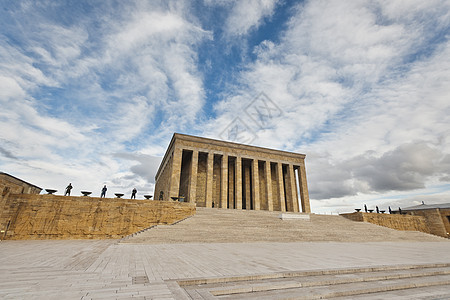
(10, 184)
(356, 216)
(162, 184)
(436, 220)
(399, 222)
(26, 216)
(445, 215)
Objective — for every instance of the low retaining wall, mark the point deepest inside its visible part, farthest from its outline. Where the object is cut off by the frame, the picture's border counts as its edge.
(394, 221)
(437, 220)
(26, 216)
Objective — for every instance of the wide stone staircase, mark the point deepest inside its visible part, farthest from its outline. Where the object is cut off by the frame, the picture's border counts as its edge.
(388, 282)
(212, 225)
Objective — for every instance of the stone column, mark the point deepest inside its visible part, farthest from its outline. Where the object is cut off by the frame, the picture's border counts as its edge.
(224, 181)
(176, 173)
(269, 186)
(247, 185)
(238, 198)
(209, 179)
(231, 182)
(296, 178)
(281, 186)
(255, 184)
(192, 192)
(304, 189)
(293, 188)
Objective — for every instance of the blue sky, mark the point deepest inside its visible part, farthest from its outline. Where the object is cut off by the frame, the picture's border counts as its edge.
(92, 91)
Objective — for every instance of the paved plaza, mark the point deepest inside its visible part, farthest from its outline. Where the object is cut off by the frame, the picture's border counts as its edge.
(86, 269)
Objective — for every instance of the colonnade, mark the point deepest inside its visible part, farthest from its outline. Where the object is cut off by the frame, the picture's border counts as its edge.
(236, 181)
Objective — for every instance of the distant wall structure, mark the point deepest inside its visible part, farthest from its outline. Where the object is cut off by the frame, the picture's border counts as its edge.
(437, 217)
(213, 173)
(11, 184)
(433, 219)
(398, 222)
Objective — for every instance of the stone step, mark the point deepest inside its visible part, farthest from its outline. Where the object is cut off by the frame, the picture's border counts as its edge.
(436, 292)
(151, 227)
(322, 284)
(210, 225)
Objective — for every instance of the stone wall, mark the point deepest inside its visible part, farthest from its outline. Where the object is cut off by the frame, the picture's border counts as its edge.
(399, 222)
(436, 219)
(163, 181)
(356, 216)
(445, 215)
(26, 216)
(11, 184)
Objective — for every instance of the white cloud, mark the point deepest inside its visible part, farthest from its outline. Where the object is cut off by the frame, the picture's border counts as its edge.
(58, 46)
(248, 15)
(158, 48)
(357, 95)
(147, 165)
(135, 75)
(128, 119)
(405, 168)
(19, 67)
(10, 89)
(408, 167)
(145, 27)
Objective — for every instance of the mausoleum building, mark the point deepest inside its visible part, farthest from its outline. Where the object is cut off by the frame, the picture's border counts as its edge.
(214, 173)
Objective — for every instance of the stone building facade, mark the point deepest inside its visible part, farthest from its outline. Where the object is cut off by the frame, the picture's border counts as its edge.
(14, 185)
(213, 173)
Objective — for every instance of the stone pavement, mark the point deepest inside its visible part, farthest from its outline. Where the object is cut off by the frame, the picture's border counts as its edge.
(86, 269)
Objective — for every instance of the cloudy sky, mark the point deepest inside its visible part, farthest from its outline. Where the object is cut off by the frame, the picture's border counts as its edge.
(92, 91)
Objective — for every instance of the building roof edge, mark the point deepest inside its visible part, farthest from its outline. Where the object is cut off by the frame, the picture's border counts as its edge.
(20, 179)
(227, 143)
